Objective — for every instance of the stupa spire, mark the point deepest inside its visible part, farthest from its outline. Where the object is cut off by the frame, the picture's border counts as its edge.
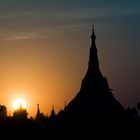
(38, 110)
(93, 77)
(93, 64)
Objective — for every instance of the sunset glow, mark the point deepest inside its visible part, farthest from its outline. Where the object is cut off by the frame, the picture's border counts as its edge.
(19, 103)
(44, 50)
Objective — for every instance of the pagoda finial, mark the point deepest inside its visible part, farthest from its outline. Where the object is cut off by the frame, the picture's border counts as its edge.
(38, 110)
(93, 37)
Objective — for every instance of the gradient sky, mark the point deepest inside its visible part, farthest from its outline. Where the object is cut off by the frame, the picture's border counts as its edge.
(44, 49)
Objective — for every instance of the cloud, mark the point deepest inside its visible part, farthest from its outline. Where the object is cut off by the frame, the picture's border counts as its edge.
(34, 14)
(14, 15)
(21, 36)
(36, 19)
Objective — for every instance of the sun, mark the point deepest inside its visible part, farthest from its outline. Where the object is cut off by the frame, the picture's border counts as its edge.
(19, 103)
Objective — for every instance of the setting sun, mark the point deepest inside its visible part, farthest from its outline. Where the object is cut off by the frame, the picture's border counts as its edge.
(19, 103)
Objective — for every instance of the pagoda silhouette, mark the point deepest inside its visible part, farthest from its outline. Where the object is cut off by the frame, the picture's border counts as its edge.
(94, 105)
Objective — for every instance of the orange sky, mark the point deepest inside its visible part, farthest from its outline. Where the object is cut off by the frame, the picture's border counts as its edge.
(44, 48)
(38, 73)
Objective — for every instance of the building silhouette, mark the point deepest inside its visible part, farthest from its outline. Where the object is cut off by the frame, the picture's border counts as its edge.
(53, 114)
(40, 119)
(94, 105)
(20, 113)
(3, 112)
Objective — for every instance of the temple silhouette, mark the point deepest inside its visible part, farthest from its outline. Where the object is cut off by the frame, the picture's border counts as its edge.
(94, 105)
